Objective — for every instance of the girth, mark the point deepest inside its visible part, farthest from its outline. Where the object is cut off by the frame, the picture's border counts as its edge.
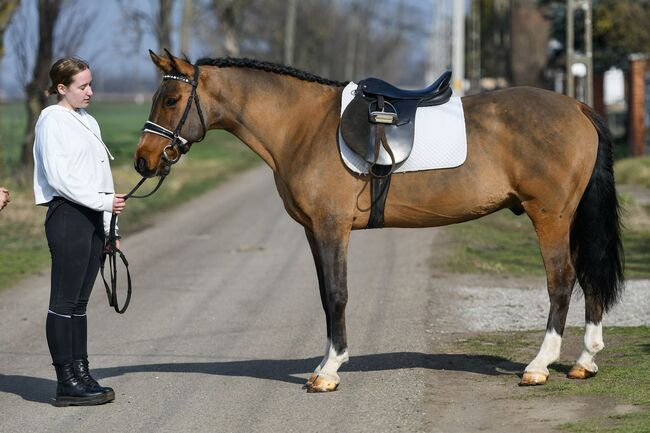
(379, 126)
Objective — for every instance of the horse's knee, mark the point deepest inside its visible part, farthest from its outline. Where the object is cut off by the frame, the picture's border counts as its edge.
(337, 301)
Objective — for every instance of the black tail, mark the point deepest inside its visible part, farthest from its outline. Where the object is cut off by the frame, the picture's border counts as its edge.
(596, 233)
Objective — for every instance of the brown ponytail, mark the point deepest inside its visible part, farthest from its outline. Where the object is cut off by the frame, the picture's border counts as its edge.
(62, 72)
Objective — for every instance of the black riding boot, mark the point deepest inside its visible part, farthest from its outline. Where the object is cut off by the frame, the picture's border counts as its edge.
(83, 374)
(71, 391)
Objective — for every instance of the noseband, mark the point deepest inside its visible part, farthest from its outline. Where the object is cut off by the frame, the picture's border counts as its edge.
(179, 144)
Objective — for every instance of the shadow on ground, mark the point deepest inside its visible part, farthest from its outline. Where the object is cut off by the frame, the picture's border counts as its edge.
(41, 390)
(286, 370)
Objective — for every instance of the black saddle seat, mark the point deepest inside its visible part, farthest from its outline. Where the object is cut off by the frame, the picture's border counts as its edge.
(377, 86)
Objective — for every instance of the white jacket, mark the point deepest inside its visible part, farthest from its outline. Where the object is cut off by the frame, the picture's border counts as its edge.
(72, 161)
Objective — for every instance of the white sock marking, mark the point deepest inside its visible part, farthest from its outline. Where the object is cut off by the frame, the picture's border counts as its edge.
(548, 353)
(593, 344)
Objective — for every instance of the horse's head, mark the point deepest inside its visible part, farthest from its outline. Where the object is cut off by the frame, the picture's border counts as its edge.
(176, 119)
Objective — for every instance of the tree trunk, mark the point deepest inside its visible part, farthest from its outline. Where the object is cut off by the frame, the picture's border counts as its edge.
(165, 25)
(48, 14)
(186, 25)
(7, 10)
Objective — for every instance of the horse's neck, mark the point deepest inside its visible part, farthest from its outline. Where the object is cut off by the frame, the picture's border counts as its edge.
(272, 113)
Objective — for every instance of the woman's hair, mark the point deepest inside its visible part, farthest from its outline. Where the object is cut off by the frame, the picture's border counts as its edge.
(62, 72)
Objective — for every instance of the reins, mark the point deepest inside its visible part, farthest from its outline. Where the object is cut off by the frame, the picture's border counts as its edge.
(182, 146)
(111, 251)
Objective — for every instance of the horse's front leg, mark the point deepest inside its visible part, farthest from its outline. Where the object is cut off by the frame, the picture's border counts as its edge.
(329, 246)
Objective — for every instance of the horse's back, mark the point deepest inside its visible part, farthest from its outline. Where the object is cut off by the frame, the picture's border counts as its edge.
(523, 143)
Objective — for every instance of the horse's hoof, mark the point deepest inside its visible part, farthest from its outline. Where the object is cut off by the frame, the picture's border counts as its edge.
(311, 380)
(578, 372)
(322, 383)
(533, 378)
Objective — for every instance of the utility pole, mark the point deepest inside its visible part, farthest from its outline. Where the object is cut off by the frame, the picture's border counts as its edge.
(579, 64)
(458, 54)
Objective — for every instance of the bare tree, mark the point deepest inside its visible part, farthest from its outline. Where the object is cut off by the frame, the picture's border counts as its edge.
(165, 24)
(36, 52)
(48, 14)
(322, 31)
(139, 22)
(7, 10)
(231, 16)
(530, 32)
(186, 25)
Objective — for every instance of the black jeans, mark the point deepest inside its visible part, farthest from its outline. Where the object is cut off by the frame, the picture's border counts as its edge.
(75, 235)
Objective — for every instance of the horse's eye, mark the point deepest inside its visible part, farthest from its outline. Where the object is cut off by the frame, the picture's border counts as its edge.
(170, 102)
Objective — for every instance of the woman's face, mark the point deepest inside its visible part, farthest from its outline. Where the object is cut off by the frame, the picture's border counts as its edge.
(78, 93)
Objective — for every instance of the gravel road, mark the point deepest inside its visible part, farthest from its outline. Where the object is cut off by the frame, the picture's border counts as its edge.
(226, 325)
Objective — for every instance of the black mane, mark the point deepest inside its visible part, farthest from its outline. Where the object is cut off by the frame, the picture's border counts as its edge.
(232, 62)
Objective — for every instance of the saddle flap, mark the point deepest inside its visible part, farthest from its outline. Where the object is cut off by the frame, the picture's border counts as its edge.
(359, 133)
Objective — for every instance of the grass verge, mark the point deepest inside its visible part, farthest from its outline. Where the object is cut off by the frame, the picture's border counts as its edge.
(624, 372)
(505, 244)
(23, 247)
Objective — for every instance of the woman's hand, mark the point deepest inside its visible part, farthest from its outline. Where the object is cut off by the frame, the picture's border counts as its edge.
(4, 197)
(118, 203)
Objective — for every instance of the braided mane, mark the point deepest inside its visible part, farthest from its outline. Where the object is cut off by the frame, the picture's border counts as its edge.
(232, 62)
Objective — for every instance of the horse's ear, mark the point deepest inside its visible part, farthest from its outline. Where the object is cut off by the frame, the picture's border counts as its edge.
(165, 65)
(180, 65)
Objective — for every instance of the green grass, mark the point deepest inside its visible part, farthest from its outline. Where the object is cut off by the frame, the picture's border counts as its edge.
(624, 372)
(501, 244)
(634, 171)
(505, 244)
(23, 248)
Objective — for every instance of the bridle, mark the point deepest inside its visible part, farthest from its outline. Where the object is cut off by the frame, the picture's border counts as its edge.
(180, 146)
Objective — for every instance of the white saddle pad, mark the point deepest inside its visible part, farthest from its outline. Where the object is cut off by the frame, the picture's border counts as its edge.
(440, 138)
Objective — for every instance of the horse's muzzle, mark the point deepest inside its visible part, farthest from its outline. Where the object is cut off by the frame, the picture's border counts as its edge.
(141, 167)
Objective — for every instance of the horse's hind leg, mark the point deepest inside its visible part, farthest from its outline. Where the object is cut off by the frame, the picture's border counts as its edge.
(585, 366)
(553, 233)
(329, 248)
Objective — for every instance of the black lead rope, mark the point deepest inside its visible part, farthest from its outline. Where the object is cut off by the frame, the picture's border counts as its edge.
(111, 251)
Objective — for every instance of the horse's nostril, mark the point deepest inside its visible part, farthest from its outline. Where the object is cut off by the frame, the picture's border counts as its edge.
(142, 165)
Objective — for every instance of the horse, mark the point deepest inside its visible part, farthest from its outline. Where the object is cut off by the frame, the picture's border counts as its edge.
(529, 150)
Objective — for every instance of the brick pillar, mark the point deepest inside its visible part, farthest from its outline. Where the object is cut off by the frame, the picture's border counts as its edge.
(636, 106)
(599, 95)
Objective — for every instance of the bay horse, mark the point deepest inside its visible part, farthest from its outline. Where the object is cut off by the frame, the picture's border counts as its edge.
(529, 150)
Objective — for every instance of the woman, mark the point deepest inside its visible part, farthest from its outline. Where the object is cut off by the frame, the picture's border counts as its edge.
(72, 176)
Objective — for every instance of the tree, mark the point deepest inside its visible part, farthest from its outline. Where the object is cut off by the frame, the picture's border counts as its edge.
(7, 10)
(620, 29)
(165, 24)
(48, 14)
(529, 44)
(231, 17)
(62, 28)
(158, 23)
(186, 25)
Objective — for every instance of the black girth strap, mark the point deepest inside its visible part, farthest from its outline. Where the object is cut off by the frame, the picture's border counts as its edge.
(379, 175)
(379, 183)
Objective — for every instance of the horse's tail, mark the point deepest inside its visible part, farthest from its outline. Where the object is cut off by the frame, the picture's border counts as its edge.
(596, 232)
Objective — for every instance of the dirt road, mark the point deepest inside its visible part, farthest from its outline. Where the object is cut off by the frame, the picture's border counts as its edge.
(225, 326)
